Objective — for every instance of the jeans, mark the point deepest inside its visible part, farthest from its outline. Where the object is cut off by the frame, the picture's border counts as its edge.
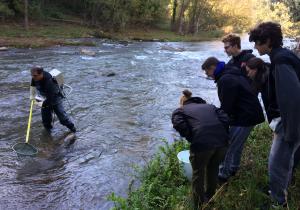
(237, 139)
(281, 161)
(205, 164)
(61, 114)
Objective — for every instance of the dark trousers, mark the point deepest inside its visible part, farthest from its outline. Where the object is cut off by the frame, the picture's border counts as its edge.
(205, 165)
(58, 109)
(297, 158)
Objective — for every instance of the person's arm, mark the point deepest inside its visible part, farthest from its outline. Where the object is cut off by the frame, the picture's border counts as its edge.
(228, 92)
(223, 117)
(287, 88)
(180, 124)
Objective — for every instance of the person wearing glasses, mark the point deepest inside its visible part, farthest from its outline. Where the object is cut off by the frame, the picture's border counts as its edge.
(51, 98)
(232, 47)
(284, 93)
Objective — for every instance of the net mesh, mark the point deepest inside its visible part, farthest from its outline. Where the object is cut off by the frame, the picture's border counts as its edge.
(25, 149)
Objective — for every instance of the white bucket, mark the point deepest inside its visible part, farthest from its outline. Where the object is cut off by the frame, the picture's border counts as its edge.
(183, 158)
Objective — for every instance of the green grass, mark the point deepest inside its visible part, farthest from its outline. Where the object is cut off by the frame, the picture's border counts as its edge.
(53, 33)
(163, 185)
(49, 30)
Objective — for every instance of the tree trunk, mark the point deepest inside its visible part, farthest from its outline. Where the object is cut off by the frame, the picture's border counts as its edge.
(173, 22)
(184, 6)
(26, 14)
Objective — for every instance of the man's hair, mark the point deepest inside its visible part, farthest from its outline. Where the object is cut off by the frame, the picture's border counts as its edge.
(267, 30)
(233, 39)
(37, 69)
(211, 61)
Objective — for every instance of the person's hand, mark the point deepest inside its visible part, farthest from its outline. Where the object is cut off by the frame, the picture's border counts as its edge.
(39, 103)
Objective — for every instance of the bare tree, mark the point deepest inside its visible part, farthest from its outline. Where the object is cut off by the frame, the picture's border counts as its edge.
(26, 15)
(184, 6)
(174, 11)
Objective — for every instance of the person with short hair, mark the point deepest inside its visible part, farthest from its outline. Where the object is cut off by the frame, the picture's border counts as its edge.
(241, 104)
(48, 88)
(232, 47)
(206, 128)
(284, 89)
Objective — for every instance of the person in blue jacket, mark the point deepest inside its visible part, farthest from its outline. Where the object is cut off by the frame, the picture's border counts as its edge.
(284, 88)
(241, 104)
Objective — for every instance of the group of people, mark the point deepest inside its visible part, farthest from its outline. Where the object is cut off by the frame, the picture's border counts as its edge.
(218, 135)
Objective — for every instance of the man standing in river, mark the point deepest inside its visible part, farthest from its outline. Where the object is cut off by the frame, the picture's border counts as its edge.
(48, 88)
(242, 106)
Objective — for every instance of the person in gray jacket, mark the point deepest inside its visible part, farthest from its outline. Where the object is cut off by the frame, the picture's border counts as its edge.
(48, 88)
(284, 91)
(206, 128)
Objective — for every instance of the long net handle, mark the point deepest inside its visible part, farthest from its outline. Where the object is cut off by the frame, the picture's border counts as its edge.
(29, 121)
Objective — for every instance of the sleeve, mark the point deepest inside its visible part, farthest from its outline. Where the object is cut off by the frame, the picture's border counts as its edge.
(180, 124)
(32, 83)
(223, 117)
(287, 88)
(228, 92)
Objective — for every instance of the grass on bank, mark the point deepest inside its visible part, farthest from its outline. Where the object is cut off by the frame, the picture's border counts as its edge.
(163, 185)
(54, 33)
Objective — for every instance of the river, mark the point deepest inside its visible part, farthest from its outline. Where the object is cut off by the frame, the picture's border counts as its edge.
(121, 102)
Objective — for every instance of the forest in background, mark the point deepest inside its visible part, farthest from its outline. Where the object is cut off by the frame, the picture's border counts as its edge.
(180, 16)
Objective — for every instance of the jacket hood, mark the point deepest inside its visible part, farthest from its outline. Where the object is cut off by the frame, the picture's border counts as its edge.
(244, 56)
(196, 100)
(228, 69)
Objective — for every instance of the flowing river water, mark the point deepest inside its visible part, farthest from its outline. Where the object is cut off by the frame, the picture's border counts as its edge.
(121, 102)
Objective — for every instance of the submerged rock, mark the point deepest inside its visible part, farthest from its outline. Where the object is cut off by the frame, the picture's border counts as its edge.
(3, 48)
(70, 139)
(87, 52)
(170, 48)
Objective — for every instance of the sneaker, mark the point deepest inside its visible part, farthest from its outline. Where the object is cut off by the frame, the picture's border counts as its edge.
(279, 206)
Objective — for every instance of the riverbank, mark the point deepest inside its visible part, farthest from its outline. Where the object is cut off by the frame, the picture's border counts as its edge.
(164, 187)
(53, 33)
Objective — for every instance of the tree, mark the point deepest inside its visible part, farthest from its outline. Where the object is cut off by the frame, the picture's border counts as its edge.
(26, 14)
(174, 10)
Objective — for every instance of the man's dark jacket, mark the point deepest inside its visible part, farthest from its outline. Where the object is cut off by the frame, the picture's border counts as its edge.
(203, 125)
(48, 88)
(284, 82)
(240, 60)
(237, 98)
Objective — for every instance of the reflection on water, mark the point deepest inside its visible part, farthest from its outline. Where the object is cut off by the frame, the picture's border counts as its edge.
(122, 100)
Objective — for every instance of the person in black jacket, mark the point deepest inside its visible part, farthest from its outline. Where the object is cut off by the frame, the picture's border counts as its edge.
(48, 88)
(232, 47)
(241, 104)
(259, 72)
(206, 128)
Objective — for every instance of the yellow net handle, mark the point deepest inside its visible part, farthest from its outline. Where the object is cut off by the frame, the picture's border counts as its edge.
(29, 121)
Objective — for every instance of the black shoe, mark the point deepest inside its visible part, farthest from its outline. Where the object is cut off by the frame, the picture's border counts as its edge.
(48, 129)
(73, 130)
(222, 180)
